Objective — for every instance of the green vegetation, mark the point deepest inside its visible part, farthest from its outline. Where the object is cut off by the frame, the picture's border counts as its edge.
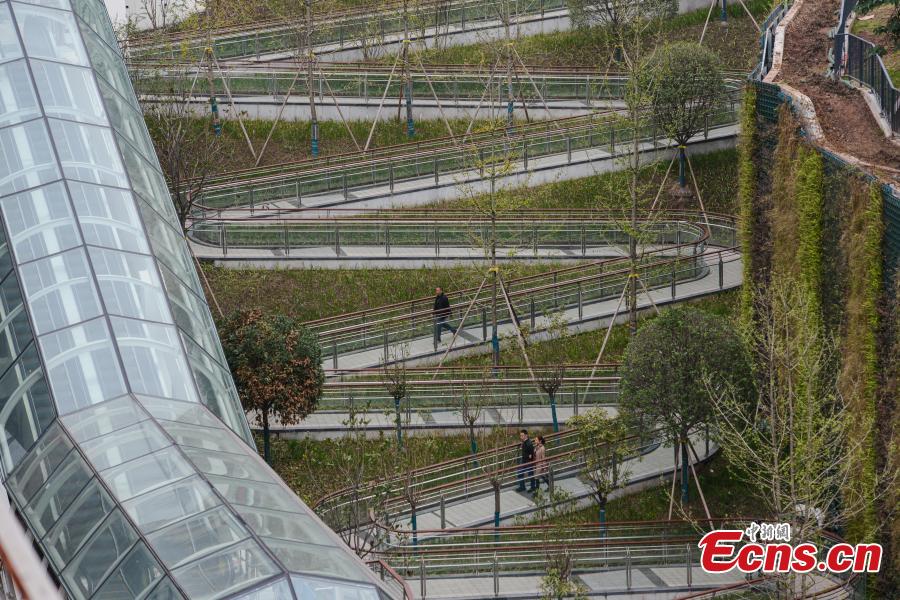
(746, 191)
(881, 26)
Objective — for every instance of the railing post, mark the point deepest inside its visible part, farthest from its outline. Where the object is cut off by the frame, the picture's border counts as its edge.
(344, 185)
(525, 153)
(673, 280)
(628, 568)
(551, 479)
(496, 577)
(580, 306)
(391, 176)
(583, 242)
(484, 324)
(443, 514)
(569, 149)
(531, 302)
(437, 241)
(337, 241)
(387, 240)
(721, 272)
(706, 438)
(612, 141)
(384, 340)
(334, 355)
(687, 560)
(521, 406)
(422, 578)
(287, 247)
(575, 399)
(435, 166)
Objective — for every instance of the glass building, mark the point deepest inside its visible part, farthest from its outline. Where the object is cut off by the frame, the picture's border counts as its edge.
(123, 446)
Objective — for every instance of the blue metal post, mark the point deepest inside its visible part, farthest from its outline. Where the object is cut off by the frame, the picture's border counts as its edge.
(724, 11)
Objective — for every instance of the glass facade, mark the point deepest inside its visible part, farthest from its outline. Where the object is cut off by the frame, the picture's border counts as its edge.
(123, 443)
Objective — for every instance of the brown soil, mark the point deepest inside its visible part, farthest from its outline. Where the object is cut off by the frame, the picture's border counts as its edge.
(846, 121)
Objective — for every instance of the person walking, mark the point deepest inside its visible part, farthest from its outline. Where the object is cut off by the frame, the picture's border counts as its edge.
(526, 463)
(541, 470)
(441, 314)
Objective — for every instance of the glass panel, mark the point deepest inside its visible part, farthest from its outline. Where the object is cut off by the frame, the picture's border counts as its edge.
(17, 100)
(104, 418)
(77, 523)
(127, 120)
(308, 588)
(60, 4)
(88, 153)
(149, 183)
(169, 247)
(26, 157)
(256, 494)
(228, 465)
(280, 590)
(198, 536)
(108, 217)
(93, 13)
(106, 62)
(285, 526)
(15, 330)
(144, 474)
(166, 590)
(26, 409)
(68, 92)
(60, 490)
(226, 571)
(5, 257)
(171, 503)
(60, 291)
(41, 222)
(82, 366)
(100, 555)
(137, 573)
(319, 560)
(192, 315)
(9, 39)
(183, 412)
(125, 445)
(49, 33)
(39, 464)
(154, 362)
(202, 437)
(129, 285)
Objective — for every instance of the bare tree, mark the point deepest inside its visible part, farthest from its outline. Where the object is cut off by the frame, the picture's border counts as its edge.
(550, 379)
(395, 382)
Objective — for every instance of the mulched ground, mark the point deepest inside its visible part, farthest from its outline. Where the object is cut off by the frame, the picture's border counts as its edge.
(845, 119)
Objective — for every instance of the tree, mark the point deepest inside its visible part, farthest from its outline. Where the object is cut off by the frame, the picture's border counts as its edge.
(666, 370)
(277, 367)
(618, 14)
(686, 88)
(550, 379)
(604, 447)
(395, 378)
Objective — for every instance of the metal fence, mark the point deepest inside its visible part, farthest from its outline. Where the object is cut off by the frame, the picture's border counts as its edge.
(837, 51)
(865, 66)
(767, 39)
(350, 29)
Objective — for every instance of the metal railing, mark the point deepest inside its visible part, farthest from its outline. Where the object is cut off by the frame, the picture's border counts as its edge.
(347, 29)
(398, 587)
(767, 39)
(442, 160)
(538, 298)
(865, 66)
(531, 234)
(838, 48)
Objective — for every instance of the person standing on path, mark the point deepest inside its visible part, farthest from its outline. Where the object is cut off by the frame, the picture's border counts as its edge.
(526, 468)
(441, 314)
(540, 462)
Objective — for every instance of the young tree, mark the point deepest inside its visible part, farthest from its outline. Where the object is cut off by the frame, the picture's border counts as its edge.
(604, 448)
(686, 88)
(471, 408)
(667, 367)
(277, 367)
(395, 378)
(550, 379)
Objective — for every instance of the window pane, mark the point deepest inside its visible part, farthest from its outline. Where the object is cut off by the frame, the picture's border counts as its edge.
(149, 183)
(103, 419)
(78, 522)
(319, 589)
(198, 536)
(17, 100)
(58, 493)
(182, 412)
(136, 574)
(9, 40)
(60, 290)
(108, 217)
(166, 590)
(39, 464)
(41, 222)
(192, 315)
(49, 33)
(202, 437)
(230, 570)
(127, 120)
(228, 465)
(171, 503)
(68, 92)
(60, 4)
(26, 409)
(106, 62)
(147, 473)
(82, 366)
(154, 362)
(256, 494)
(26, 157)
(15, 330)
(280, 590)
(100, 555)
(169, 247)
(124, 445)
(94, 14)
(88, 153)
(284, 526)
(129, 285)
(319, 560)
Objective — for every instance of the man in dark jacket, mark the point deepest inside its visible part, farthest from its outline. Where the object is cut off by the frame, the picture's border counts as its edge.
(441, 313)
(527, 462)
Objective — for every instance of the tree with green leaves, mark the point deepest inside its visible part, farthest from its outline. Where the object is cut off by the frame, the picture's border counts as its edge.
(277, 367)
(666, 372)
(686, 89)
(604, 444)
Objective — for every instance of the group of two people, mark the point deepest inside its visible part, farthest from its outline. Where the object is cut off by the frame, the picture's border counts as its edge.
(533, 463)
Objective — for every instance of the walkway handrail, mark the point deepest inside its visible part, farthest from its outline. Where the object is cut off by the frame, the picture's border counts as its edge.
(866, 66)
(388, 574)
